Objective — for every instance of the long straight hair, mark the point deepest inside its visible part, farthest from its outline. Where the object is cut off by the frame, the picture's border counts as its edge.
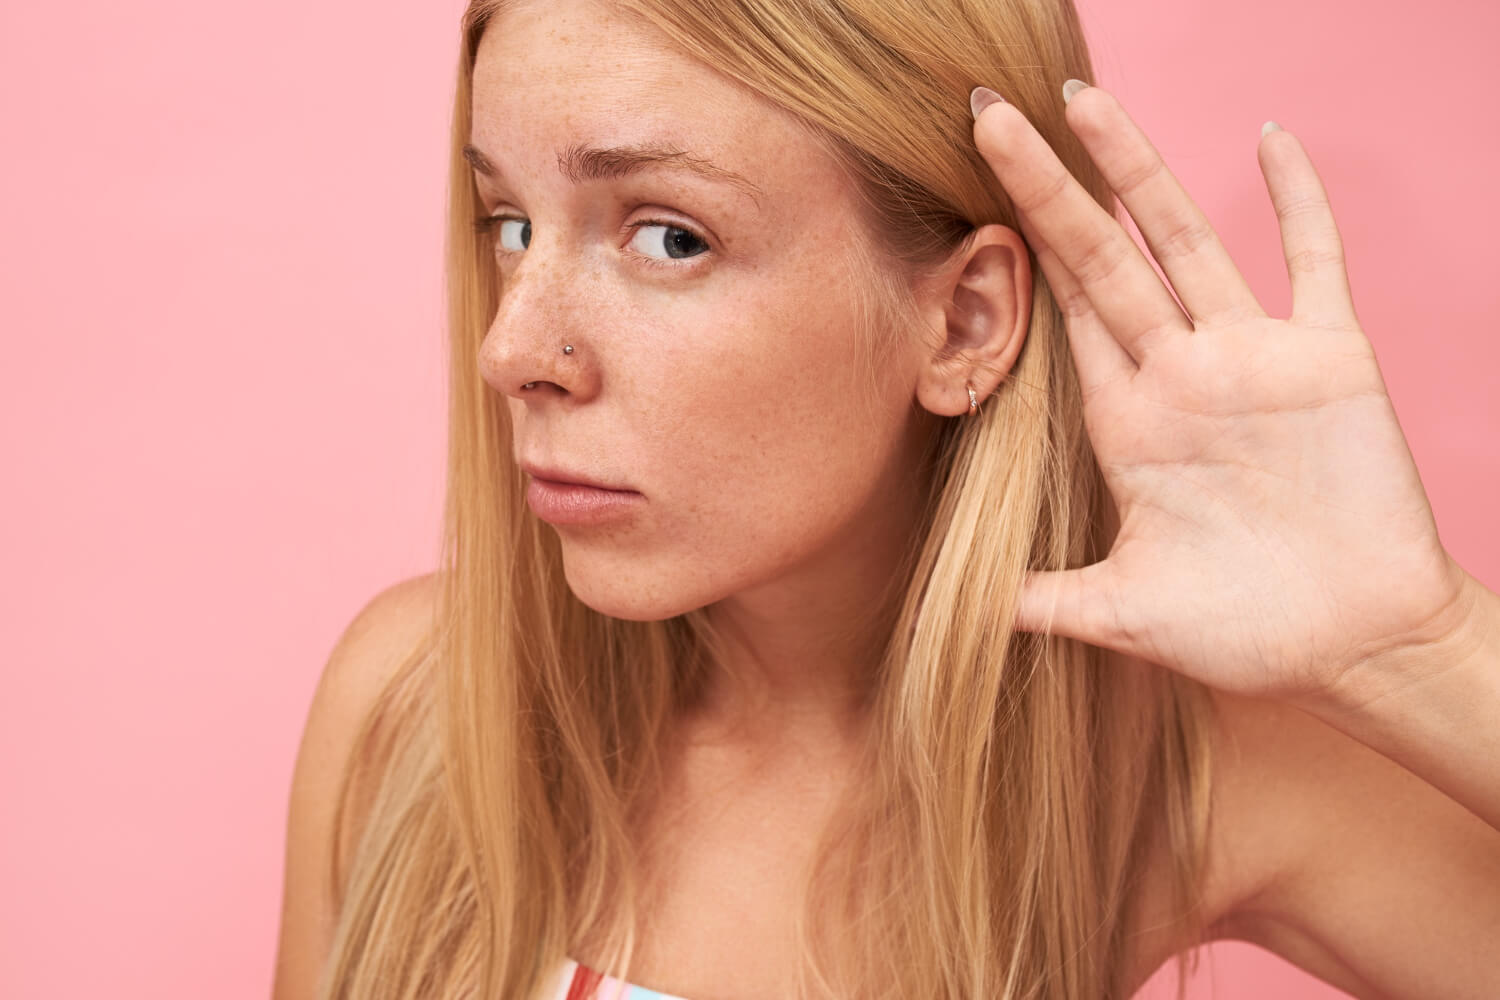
(1011, 784)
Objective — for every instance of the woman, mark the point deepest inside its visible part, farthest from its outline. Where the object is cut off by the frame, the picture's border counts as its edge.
(809, 693)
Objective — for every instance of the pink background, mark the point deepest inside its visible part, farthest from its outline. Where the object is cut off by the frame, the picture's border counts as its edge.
(223, 413)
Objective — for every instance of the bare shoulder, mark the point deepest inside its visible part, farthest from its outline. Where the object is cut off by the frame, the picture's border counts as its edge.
(378, 638)
(363, 660)
(1234, 862)
(362, 663)
(1269, 762)
(1342, 862)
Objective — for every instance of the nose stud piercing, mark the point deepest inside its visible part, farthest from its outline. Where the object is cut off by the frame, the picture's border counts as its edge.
(567, 349)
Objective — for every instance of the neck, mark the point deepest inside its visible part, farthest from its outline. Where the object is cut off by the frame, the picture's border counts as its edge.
(799, 657)
(800, 652)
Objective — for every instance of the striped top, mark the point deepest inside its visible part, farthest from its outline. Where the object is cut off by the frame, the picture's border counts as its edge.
(577, 982)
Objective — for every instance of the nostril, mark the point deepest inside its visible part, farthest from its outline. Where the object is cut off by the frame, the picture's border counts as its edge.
(540, 382)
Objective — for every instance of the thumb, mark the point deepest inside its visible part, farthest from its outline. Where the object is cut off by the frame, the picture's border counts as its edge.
(1075, 603)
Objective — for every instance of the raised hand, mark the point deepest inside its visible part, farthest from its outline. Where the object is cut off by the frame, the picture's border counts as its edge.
(1274, 533)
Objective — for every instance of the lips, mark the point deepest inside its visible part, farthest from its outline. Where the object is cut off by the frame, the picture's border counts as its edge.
(567, 503)
(553, 475)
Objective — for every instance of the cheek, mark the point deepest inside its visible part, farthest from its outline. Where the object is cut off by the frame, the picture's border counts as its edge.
(760, 424)
(756, 444)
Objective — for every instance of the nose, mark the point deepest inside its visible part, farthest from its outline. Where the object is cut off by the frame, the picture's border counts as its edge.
(534, 348)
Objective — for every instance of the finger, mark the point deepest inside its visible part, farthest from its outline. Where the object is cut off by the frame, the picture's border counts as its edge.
(1124, 289)
(1097, 356)
(1075, 604)
(1309, 236)
(1181, 239)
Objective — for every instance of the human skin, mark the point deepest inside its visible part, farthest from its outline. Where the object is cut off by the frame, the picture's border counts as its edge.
(779, 488)
(1271, 445)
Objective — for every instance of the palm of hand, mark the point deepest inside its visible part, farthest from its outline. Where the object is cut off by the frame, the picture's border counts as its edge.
(1263, 482)
(1274, 533)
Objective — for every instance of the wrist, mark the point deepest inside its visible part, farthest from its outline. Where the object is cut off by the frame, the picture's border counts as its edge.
(1464, 637)
(1430, 705)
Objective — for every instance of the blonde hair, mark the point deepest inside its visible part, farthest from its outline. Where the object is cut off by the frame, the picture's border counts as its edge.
(1012, 783)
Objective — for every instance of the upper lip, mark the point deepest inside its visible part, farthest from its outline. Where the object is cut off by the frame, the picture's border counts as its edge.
(564, 476)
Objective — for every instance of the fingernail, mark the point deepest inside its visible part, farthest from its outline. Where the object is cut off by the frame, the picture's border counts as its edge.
(1268, 128)
(981, 98)
(1070, 88)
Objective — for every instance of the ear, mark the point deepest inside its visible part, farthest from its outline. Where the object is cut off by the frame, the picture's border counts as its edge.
(978, 308)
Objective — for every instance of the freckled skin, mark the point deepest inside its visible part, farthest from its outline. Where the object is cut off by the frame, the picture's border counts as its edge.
(722, 387)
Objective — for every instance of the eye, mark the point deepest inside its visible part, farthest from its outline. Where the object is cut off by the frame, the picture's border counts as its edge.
(514, 228)
(518, 231)
(673, 242)
(654, 239)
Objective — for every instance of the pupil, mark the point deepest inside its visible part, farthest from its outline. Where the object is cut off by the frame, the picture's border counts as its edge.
(680, 243)
(526, 234)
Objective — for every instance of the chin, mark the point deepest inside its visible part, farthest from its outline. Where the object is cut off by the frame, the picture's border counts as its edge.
(629, 595)
(622, 607)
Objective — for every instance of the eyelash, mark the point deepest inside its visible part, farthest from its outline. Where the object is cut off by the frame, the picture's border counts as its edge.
(486, 225)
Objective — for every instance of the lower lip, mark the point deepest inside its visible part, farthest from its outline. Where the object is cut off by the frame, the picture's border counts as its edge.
(569, 503)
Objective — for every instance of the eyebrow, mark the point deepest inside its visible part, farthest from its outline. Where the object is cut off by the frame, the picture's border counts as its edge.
(579, 163)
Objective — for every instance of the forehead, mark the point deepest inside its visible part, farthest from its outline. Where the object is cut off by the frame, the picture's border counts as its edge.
(552, 74)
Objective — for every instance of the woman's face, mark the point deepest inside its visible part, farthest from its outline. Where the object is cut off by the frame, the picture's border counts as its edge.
(715, 354)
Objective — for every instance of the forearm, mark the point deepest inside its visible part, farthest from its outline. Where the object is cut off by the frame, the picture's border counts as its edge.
(1435, 709)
